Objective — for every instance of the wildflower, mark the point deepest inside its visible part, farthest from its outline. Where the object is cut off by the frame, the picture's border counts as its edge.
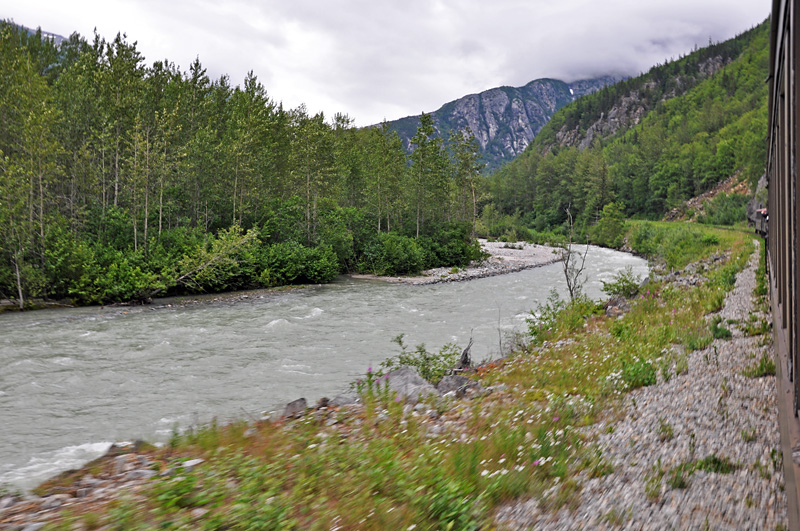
(555, 419)
(485, 472)
(369, 370)
(537, 462)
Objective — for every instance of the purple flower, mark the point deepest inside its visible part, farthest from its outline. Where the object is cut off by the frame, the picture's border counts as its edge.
(369, 371)
(536, 463)
(555, 419)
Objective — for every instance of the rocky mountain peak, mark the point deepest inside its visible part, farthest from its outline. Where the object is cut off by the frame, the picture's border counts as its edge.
(504, 120)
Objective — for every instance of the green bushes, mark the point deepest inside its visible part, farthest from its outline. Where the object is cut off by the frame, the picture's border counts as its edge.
(625, 284)
(725, 209)
(637, 373)
(609, 231)
(431, 366)
(102, 263)
(391, 253)
(292, 263)
(675, 244)
(400, 255)
(451, 245)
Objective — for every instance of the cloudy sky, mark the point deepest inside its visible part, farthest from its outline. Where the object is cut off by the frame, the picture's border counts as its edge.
(376, 59)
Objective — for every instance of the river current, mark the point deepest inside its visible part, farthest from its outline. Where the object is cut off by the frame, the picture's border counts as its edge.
(75, 380)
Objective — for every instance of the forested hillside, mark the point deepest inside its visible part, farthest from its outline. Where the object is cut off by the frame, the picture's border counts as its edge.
(121, 180)
(644, 145)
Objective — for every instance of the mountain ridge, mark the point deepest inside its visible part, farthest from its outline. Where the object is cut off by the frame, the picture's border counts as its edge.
(504, 119)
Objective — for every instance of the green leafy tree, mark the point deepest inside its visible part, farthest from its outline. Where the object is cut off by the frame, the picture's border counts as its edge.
(429, 182)
(609, 231)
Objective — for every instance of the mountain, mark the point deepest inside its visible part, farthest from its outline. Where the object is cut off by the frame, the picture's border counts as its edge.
(646, 144)
(504, 120)
(617, 107)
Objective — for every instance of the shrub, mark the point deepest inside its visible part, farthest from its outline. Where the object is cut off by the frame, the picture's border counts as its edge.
(725, 209)
(431, 366)
(556, 315)
(450, 244)
(638, 373)
(292, 263)
(625, 284)
(400, 255)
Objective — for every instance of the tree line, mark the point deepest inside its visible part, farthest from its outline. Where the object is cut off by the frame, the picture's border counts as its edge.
(120, 180)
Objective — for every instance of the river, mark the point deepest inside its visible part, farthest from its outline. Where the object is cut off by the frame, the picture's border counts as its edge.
(76, 380)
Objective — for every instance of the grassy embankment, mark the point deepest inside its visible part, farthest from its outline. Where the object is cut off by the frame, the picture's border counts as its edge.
(450, 463)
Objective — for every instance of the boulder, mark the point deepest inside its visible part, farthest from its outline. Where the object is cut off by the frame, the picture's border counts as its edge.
(451, 383)
(323, 402)
(295, 409)
(409, 385)
(342, 400)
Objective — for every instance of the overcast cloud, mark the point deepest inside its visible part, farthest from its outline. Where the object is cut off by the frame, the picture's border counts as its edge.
(375, 60)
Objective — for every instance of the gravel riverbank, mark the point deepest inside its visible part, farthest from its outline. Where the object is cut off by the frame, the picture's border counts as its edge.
(712, 410)
(503, 258)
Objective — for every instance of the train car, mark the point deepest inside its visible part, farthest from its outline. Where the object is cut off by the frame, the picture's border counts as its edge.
(781, 233)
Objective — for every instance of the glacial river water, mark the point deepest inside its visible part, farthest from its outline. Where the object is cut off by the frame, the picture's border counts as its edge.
(75, 380)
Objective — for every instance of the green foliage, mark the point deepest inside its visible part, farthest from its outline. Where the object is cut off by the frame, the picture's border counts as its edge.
(400, 255)
(556, 316)
(717, 331)
(638, 373)
(625, 284)
(609, 231)
(725, 209)
(676, 479)
(450, 245)
(432, 366)
(293, 263)
(764, 367)
(716, 465)
(675, 244)
(122, 181)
